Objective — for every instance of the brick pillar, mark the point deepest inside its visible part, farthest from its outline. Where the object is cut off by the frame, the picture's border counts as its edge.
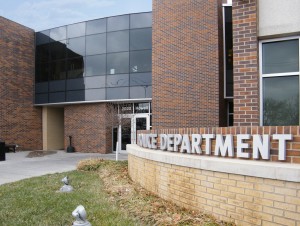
(86, 123)
(187, 66)
(20, 121)
(245, 63)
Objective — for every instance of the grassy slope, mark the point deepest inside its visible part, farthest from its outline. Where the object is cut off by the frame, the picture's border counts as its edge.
(36, 202)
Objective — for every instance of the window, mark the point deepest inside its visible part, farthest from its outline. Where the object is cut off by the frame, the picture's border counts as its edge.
(280, 82)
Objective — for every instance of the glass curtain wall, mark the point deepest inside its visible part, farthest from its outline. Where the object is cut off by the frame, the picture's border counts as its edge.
(103, 59)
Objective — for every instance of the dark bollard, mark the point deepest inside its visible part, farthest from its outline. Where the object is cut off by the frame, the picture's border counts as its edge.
(2, 151)
(70, 148)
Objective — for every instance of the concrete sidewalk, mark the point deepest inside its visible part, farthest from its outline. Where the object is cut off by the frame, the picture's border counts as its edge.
(17, 166)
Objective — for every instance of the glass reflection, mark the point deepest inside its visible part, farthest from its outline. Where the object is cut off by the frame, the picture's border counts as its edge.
(118, 63)
(76, 30)
(118, 41)
(56, 86)
(141, 39)
(58, 50)
(138, 92)
(75, 68)
(282, 56)
(94, 82)
(96, 44)
(95, 94)
(57, 97)
(59, 33)
(281, 101)
(141, 20)
(58, 70)
(42, 37)
(96, 26)
(78, 95)
(75, 84)
(117, 93)
(117, 80)
(117, 23)
(141, 61)
(95, 65)
(140, 79)
(76, 47)
(42, 72)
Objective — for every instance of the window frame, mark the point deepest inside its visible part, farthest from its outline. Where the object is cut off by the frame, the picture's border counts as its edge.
(286, 74)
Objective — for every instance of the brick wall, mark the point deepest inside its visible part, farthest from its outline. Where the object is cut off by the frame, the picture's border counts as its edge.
(186, 60)
(292, 147)
(245, 200)
(245, 63)
(87, 124)
(20, 122)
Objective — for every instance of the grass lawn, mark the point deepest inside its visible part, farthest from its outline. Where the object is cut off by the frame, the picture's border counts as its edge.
(36, 202)
(103, 188)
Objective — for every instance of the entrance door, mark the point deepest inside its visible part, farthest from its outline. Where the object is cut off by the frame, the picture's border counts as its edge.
(139, 122)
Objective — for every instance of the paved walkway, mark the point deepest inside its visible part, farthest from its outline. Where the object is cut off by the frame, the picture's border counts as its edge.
(17, 166)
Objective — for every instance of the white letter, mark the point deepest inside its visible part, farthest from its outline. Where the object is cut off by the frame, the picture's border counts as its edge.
(163, 141)
(145, 136)
(208, 138)
(224, 147)
(177, 141)
(154, 141)
(149, 140)
(196, 143)
(170, 142)
(261, 146)
(186, 145)
(281, 144)
(140, 140)
(241, 145)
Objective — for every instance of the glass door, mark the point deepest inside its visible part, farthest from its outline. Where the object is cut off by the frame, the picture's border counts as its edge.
(139, 122)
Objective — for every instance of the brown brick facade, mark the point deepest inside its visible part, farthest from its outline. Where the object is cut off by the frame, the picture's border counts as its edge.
(20, 122)
(245, 63)
(87, 124)
(186, 63)
(292, 147)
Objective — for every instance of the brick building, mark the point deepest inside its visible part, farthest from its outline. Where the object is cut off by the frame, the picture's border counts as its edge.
(187, 64)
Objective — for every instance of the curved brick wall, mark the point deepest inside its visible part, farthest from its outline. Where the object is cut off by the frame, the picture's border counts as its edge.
(243, 199)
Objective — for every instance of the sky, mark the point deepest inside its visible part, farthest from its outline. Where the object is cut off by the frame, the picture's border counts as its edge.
(44, 14)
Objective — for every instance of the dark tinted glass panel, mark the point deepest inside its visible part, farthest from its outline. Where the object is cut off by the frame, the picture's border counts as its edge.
(75, 67)
(42, 72)
(57, 97)
(42, 37)
(76, 47)
(74, 84)
(139, 79)
(118, 41)
(141, 108)
(117, 80)
(41, 87)
(42, 52)
(58, 50)
(41, 98)
(58, 70)
(141, 39)
(95, 94)
(118, 23)
(78, 95)
(95, 65)
(57, 34)
(140, 61)
(95, 44)
(94, 82)
(117, 63)
(228, 51)
(76, 30)
(141, 20)
(281, 101)
(117, 93)
(137, 92)
(56, 86)
(279, 57)
(96, 26)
